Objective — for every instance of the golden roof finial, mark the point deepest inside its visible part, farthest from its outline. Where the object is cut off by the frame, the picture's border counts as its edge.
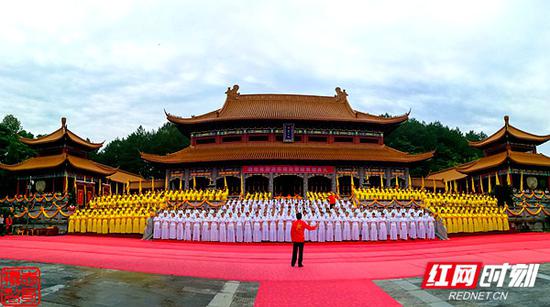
(340, 94)
(233, 92)
(506, 119)
(63, 122)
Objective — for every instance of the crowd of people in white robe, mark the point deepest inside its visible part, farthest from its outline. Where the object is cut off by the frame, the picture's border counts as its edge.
(271, 220)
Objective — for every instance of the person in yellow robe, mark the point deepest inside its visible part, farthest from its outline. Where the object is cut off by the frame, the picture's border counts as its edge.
(505, 223)
(116, 217)
(105, 223)
(135, 223)
(112, 222)
(129, 222)
(70, 226)
(470, 221)
(77, 222)
(142, 221)
(122, 222)
(83, 220)
(94, 222)
(498, 222)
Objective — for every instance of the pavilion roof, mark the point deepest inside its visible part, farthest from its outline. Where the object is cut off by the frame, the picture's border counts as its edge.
(287, 107)
(59, 134)
(124, 177)
(285, 152)
(509, 130)
(449, 174)
(522, 158)
(53, 161)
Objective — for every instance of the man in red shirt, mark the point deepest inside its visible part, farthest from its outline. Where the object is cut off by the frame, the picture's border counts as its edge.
(297, 235)
(332, 200)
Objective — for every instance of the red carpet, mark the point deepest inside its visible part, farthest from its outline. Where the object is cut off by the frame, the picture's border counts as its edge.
(334, 273)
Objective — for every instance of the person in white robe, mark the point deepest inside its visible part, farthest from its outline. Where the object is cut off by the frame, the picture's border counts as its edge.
(365, 227)
(179, 226)
(403, 226)
(373, 227)
(165, 226)
(382, 227)
(265, 226)
(257, 228)
(188, 224)
(223, 227)
(239, 227)
(288, 226)
(355, 227)
(214, 230)
(393, 226)
(321, 228)
(280, 227)
(421, 226)
(231, 225)
(247, 228)
(205, 231)
(430, 229)
(346, 220)
(272, 227)
(313, 234)
(330, 227)
(157, 231)
(412, 226)
(338, 229)
(197, 227)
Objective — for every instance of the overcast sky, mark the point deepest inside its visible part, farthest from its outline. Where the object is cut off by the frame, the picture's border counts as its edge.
(110, 66)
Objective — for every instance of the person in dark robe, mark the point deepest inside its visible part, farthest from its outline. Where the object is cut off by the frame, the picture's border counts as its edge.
(148, 233)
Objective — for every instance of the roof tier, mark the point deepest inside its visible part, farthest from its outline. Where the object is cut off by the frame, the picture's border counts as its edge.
(285, 152)
(59, 134)
(510, 132)
(286, 107)
(521, 158)
(54, 161)
(123, 177)
(449, 174)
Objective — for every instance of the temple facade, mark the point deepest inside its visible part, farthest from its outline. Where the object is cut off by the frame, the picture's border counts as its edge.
(61, 165)
(510, 157)
(287, 145)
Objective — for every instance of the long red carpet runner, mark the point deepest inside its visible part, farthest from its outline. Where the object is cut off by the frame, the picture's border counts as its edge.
(335, 274)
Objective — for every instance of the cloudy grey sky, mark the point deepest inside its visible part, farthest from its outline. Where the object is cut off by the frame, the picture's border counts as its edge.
(110, 66)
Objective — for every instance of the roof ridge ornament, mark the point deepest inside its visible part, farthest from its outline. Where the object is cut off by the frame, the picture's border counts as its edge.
(233, 93)
(506, 120)
(64, 122)
(341, 95)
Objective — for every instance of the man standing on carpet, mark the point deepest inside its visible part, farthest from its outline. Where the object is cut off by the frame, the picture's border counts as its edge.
(297, 235)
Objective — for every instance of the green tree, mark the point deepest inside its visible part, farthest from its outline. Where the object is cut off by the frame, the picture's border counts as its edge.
(125, 152)
(12, 150)
(451, 145)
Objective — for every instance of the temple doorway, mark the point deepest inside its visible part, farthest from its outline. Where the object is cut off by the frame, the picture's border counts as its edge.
(345, 184)
(285, 185)
(200, 183)
(175, 184)
(319, 184)
(233, 184)
(257, 183)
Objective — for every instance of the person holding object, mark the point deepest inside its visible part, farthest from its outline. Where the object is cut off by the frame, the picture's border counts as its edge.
(297, 235)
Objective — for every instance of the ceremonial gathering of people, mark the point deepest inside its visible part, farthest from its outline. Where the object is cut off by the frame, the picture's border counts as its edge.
(258, 217)
(459, 212)
(271, 220)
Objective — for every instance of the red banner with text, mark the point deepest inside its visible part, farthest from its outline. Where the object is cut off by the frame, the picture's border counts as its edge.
(287, 169)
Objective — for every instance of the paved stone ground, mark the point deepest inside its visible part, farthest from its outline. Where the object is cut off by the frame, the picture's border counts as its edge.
(64, 285)
(408, 292)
